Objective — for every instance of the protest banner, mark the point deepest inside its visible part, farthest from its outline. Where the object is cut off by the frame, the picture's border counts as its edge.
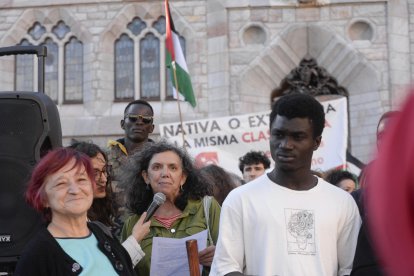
(223, 140)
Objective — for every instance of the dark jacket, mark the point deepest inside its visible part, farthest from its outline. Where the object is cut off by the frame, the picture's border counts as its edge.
(365, 261)
(43, 256)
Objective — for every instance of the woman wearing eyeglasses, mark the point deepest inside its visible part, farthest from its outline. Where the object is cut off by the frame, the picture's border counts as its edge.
(102, 209)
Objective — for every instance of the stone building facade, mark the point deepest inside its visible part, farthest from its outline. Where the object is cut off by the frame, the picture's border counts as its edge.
(237, 52)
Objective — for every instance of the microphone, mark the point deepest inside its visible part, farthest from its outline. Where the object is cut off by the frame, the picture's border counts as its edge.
(159, 199)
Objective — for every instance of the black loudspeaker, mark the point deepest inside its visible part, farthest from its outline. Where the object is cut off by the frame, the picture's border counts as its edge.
(29, 128)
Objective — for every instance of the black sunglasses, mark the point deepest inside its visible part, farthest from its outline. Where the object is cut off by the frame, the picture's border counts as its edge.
(134, 117)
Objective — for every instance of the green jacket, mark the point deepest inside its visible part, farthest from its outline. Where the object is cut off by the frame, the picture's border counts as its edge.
(191, 221)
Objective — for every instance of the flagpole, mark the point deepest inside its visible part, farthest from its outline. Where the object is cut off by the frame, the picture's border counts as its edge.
(178, 102)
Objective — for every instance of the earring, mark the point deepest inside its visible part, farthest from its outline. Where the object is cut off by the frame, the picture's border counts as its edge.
(148, 187)
(181, 188)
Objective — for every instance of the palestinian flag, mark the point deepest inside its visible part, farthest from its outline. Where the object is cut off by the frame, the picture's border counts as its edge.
(175, 55)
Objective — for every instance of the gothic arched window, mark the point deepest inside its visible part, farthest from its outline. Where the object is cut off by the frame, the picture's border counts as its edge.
(149, 61)
(73, 70)
(24, 70)
(124, 68)
(63, 64)
(140, 70)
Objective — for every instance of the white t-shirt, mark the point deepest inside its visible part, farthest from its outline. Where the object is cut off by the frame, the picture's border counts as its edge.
(267, 229)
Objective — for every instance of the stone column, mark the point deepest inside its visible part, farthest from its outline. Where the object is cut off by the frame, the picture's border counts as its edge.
(399, 50)
(218, 59)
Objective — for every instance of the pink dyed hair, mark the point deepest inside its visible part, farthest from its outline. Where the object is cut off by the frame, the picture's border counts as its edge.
(49, 164)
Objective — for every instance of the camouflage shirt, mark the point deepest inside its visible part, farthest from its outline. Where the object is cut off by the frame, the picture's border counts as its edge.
(117, 157)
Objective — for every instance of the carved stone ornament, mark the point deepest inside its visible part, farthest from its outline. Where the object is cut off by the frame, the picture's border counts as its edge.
(309, 78)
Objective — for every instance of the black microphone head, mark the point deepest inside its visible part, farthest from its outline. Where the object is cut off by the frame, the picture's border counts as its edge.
(159, 198)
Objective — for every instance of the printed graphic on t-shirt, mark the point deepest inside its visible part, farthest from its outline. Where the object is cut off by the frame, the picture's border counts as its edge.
(300, 226)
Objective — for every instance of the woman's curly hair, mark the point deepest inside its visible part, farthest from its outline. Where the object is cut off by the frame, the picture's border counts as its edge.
(139, 195)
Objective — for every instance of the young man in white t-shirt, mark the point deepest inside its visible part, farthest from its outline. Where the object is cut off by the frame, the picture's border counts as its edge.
(288, 222)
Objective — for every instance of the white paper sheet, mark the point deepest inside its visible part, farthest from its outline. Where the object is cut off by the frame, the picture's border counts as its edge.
(169, 256)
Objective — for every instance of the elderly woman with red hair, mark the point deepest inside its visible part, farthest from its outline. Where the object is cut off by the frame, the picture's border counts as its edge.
(61, 189)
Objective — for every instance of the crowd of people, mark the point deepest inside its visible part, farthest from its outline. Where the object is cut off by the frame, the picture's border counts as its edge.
(285, 220)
